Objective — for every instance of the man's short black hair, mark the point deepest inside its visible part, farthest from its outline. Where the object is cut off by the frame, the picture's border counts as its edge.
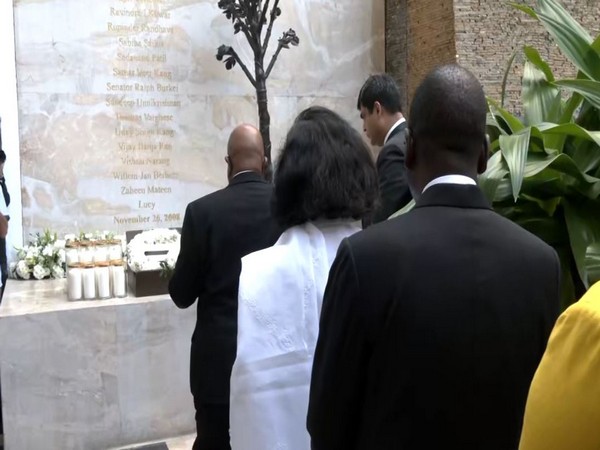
(324, 171)
(2, 157)
(380, 88)
(449, 107)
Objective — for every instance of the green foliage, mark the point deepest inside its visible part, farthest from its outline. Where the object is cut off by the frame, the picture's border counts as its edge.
(166, 270)
(544, 172)
(43, 257)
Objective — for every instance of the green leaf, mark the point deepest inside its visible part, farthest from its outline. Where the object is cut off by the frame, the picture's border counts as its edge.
(540, 98)
(561, 163)
(590, 90)
(570, 129)
(573, 40)
(570, 107)
(513, 123)
(535, 58)
(586, 157)
(526, 9)
(514, 149)
(491, 178)
(505, 77)
(409, 206)
(592, 262)
(567, 286)
(583, 223)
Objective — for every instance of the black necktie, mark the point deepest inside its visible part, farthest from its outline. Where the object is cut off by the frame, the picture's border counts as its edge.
(5, 191)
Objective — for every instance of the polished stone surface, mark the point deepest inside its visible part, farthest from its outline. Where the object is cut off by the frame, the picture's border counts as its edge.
(92, 375)
(76, 155)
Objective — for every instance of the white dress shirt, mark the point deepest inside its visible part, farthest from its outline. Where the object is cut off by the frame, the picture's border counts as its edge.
(450, 179)
(397, 124)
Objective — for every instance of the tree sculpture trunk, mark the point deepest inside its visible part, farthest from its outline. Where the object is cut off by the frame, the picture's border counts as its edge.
(264, 119)
(249, 17)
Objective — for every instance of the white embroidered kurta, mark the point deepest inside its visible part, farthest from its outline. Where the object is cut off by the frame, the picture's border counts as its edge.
(280, 298)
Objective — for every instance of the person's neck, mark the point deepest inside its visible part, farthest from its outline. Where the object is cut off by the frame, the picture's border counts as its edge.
(391, 120)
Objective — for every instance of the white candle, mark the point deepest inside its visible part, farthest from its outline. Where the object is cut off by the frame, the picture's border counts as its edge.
(74, 283)
(86, 254)
(114, 252)
(89, 283)
(118, 281)
(103, 282)
(100, 254)
(72, 256)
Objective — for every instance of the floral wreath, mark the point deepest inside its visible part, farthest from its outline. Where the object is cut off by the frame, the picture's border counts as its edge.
(162, 244)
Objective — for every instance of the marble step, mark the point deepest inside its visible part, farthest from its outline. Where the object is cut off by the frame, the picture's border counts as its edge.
(179, 443)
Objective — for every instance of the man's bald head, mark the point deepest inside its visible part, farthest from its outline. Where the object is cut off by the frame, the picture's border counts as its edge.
(447, 127)
(245, 150)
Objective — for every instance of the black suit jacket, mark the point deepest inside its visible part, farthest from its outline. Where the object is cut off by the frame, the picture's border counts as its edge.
(393, 186)
(432, 326)
(218, 230)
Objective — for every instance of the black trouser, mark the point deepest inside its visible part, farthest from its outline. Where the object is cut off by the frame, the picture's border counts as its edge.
(4, 270)
(212, 426)
(3, 266)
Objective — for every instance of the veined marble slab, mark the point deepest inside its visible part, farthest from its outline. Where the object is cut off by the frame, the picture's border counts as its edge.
(92, 375)
(75, 151)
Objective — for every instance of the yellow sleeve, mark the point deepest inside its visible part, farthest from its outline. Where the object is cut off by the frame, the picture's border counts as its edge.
(563, 407)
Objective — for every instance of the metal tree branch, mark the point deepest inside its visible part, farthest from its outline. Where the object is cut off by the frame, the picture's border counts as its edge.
(246, 30)
(263, 17)
(270, 28)
(273, 59)
(289, 38)
(243, 66)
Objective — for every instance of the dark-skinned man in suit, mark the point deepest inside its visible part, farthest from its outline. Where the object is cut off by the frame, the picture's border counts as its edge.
(218, 230)
(433, 323)
(385, 126)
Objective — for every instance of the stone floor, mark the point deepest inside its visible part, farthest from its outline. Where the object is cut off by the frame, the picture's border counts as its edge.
(179, 443)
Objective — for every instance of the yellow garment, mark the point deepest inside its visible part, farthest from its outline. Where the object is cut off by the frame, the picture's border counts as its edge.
(563, 407)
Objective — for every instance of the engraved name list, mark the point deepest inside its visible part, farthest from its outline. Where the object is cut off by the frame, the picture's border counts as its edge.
(143, 92)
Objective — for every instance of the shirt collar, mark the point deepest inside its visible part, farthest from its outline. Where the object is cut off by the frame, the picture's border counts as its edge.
(397, 124)
(450, 179)
(241, 172)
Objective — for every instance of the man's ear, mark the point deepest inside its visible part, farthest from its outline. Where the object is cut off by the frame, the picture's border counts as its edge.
(484, 155)
(377, 108)
(410, 158)
(229, 167)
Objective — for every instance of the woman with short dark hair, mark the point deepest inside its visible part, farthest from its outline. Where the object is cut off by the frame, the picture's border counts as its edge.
(325, 183)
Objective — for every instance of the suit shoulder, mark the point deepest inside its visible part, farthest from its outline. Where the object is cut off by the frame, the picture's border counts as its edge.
(379, 236)
(394, 148)
(517, 234)
(206, 200)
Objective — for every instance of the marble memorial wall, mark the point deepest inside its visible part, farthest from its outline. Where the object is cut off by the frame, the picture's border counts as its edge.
(125, 113)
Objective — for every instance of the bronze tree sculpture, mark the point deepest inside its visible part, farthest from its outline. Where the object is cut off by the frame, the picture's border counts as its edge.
(250, 18)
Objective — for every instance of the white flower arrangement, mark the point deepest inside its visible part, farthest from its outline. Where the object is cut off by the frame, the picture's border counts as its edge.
(44, 257)
(155, 249)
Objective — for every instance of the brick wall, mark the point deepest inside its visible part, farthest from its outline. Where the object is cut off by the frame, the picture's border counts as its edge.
(419, 36)
(485, 33)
